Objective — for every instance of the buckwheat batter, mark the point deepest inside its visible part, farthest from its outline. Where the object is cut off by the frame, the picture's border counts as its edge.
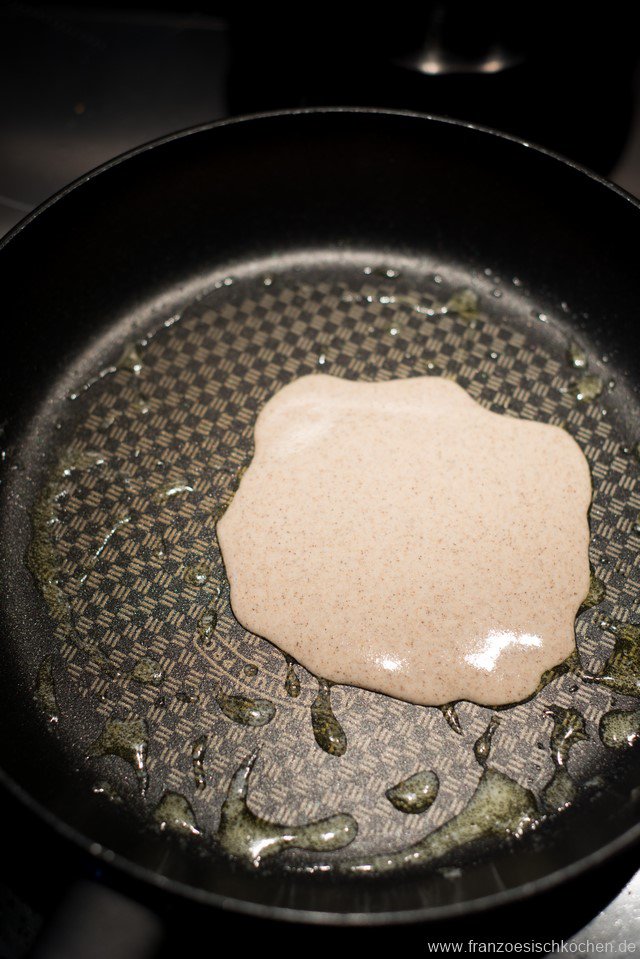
(398, 536)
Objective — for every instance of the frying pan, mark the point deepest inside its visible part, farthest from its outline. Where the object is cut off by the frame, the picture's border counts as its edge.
(154, 306)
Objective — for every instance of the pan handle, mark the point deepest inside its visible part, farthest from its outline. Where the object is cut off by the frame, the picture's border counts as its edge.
(94, 920)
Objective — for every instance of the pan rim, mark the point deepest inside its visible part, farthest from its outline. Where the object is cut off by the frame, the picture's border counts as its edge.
(306, 111)
(144, 875)
(242, 906)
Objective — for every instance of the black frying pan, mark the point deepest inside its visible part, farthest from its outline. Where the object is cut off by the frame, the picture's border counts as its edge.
(236, 257)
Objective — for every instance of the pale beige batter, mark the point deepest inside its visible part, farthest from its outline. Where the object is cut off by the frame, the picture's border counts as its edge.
(398, 536)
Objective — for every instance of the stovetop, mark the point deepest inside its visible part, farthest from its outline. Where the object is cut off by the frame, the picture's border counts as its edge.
(85, 85)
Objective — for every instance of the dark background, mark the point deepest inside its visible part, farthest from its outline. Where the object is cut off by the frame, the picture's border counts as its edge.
(82, 84)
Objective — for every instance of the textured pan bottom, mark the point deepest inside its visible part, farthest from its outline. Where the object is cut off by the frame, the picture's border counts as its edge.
(152, 451)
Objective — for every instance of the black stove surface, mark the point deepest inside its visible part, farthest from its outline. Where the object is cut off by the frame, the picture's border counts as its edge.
(83, 85)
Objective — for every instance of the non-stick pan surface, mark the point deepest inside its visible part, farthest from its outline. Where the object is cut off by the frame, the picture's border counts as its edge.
(152, 310)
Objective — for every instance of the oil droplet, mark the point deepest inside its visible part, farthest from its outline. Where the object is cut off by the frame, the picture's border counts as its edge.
(107, 790)
(576, 356)
(250, 670)
(128, 739)
(198, 751)
(130, 360)
(95, 556)
(74, 395)
(384, 272)
(465, 303)
(171, 490)
(560, 791)
(198, 574)
(621, 672)
(207, 626)
(157, 549)
(292, 682)
(91, 648)
(450, 713)
(245, 711)
(109, 536)
(42, 558)
(218, 511)
(46, 690)
(482, 746)
(416, 793)
(148, 672)
(328, 732)
(174, 813)
(569, 665)
(620, 728)
(596, 594)
(568, 729)
(587, 388)
(246, 836)
(498, 808)
(236, 479)
(185, 696)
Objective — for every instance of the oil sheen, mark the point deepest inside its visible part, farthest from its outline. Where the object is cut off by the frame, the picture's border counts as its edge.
(399, 537)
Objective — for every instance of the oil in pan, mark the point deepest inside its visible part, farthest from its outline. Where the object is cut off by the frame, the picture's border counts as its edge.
(229, 742)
